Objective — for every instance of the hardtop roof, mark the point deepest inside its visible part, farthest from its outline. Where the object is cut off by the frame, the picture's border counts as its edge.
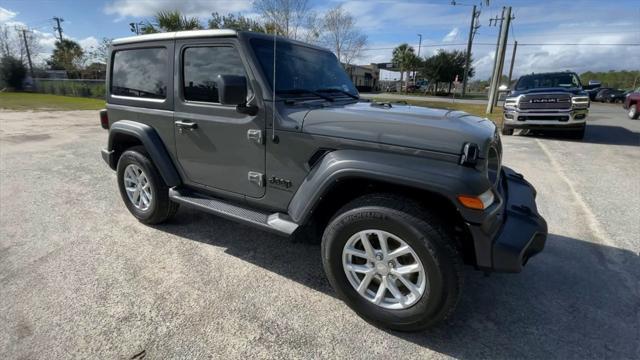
(175, 35)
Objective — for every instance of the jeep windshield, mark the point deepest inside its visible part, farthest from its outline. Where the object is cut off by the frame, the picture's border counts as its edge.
(303, 71)
(538, 81)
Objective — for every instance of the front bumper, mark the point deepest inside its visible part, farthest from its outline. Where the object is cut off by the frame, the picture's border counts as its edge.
(514, 231)
(571, 119)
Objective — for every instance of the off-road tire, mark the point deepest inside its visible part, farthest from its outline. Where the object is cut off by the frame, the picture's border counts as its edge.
(507, 131)
(633, 112)
(424, 232)
(160, 208)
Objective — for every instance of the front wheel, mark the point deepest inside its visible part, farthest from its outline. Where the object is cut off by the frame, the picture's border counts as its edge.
(633, 112)
(392, 262)
(507, 131)
(142, 188)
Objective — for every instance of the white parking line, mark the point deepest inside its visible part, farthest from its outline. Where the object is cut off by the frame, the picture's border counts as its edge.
(592, 221)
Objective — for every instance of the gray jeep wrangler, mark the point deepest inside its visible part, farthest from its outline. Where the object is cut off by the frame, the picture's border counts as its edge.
(272, 133)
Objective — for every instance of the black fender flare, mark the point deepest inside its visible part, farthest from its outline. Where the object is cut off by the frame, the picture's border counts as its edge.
(442, 177)
(151, 142)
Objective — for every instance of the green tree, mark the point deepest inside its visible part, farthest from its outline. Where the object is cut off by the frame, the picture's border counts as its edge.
(168, 21)
(444, 66)
(12, 72)
(235, 22)
(621, 79)
(404, 58)
(67, 55)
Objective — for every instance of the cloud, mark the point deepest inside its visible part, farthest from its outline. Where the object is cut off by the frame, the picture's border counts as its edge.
(451, 36)
(6, 15)
(198, 8)
(581, 57)
(88, 43)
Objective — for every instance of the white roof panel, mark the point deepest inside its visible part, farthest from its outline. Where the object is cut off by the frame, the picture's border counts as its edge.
(174, 35)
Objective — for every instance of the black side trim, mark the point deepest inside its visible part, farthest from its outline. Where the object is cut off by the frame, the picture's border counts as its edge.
(152, 143)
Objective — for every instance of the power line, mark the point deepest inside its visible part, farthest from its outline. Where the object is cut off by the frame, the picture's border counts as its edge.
(519, 44)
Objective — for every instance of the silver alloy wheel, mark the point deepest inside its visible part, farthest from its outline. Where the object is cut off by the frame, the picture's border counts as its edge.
(384, 269)
(632, 111)
(138, 187)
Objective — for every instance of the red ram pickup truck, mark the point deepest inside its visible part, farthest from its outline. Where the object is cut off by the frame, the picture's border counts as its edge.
(632, 103)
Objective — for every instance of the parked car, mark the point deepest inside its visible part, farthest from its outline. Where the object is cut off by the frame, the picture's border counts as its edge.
(617, 96)
(400, 196)
(547, 101)
(632, 104)
(592, 93)
(592, 88)
(608, 95)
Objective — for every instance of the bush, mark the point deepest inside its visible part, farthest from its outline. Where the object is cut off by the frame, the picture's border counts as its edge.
(12, 72)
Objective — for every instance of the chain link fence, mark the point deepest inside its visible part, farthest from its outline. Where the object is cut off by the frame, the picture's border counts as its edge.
(70, 87)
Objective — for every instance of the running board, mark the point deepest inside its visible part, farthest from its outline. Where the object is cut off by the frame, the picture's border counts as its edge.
(277, 222)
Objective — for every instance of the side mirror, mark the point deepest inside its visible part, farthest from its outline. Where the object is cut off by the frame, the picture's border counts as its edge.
(232, 89)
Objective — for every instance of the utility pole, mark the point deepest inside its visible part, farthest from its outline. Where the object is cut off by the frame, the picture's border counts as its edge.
(475, 14)
(26, 46)
(419, 46)
(497, 68)
(58, 28)
(513, 60)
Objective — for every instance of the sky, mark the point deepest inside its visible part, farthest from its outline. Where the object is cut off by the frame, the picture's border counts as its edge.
(601, 30)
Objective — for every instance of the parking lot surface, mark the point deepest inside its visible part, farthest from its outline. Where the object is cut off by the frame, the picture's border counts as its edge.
(81, 278)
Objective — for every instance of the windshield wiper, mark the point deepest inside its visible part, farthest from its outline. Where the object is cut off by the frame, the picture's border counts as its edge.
(340, 91)
(304, 91)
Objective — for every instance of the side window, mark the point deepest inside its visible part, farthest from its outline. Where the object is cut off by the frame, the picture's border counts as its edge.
(140, 73)
(201, 67)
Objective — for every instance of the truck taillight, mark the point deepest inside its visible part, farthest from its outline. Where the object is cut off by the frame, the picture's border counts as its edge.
(104, 119)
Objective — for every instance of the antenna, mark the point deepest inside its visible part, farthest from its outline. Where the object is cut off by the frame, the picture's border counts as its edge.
(273, 95)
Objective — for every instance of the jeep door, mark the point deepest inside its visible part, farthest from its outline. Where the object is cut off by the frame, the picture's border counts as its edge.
(212, 145)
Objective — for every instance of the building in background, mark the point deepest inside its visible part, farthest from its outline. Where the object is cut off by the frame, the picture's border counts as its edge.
(366, 78)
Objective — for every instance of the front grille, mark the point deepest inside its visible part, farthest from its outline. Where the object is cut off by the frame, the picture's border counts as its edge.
(545, 101)
(543, 117)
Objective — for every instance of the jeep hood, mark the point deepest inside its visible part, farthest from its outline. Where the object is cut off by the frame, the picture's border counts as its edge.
(402, 125)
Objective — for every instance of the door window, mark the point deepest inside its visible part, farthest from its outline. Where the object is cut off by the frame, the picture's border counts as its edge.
(201, 67)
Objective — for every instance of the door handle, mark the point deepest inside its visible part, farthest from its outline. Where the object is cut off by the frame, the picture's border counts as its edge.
(188, 125)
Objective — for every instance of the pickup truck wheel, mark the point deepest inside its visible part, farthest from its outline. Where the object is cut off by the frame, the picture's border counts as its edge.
(633, 112)
(392, 262)
(507, 131)
(142, 189)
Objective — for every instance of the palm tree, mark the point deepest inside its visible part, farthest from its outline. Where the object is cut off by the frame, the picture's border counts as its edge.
(404, 57)
(168, 21)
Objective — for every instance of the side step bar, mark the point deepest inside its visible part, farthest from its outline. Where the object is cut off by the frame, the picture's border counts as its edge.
(277, 222)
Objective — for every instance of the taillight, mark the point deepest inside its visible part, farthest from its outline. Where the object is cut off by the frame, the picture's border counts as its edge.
(104, 119)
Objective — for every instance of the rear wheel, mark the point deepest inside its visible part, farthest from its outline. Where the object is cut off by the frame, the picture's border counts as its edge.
(633, 112)
(392, 262)
(142, 188)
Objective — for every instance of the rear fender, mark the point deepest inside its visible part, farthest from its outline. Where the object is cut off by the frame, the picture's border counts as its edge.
(151, 142)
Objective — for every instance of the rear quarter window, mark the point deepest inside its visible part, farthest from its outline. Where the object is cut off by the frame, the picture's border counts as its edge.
(141, 73)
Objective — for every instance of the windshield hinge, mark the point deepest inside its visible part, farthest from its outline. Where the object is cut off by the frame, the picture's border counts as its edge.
(470, 153)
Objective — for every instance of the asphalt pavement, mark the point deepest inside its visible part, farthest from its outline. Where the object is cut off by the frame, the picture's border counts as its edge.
(81, 278)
